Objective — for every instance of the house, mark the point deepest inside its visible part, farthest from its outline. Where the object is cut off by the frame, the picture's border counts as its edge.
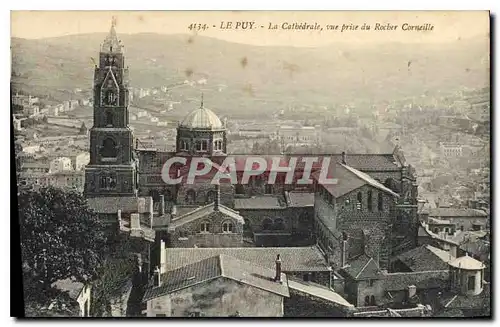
(304, 263)
(465, 219)
(213, 225)
(218, 286)
(364, 281)
(76, 292)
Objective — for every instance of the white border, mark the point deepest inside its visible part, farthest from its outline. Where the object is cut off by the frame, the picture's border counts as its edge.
(185, 5)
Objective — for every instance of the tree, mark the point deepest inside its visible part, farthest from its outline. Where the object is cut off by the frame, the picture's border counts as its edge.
(60, 238)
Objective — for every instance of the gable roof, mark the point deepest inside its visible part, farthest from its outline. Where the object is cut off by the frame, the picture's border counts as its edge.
(319, 291)
(203, 212)
(363, 267)
(425, 258)
(215, 267)
(456, 212)
(293, 259)
(349, 179)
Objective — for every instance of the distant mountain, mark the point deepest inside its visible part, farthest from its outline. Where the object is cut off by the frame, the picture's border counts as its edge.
(258, 78)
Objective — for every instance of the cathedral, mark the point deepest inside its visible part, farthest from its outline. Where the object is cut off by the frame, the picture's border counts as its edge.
(374, 202)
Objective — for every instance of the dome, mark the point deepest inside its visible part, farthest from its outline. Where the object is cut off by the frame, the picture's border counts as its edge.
(467, 263)
(202, 118)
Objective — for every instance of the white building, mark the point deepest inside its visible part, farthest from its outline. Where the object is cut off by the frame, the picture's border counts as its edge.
(451, 149)
(60, 164)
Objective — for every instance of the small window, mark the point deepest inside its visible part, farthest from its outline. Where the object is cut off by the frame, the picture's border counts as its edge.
(205, 227)
(360, 201)
(227, 227)
(268, 189)
(367, 301)
(380, 202)
(471, 283)
(436, 230)
(371, 282)
(447, 230)
(279, 224)
(204, 145)
(198, 145)
(370, 208)
(372, 300)
(306, 277)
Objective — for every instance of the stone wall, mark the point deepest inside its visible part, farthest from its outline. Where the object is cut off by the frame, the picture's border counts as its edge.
(221, 297)
(304, 305)
(189, 234)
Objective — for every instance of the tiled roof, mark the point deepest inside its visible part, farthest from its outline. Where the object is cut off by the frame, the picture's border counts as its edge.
(459, 301)
(467, 263)
(215, 267)
(318, 291)
(301, 199)
(258, 202)
(439, 221)
(292, 258)
(425, 258)
(111, 204)
(421, 279)
(363, 267)
(203, 212)
(371, 162)
(456, 212)
(348, 179)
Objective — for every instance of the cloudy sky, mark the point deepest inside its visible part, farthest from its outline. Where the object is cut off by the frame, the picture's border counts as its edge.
(448, 26)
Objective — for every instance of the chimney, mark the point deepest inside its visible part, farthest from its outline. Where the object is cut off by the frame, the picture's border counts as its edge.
(173, 211)
(344, 161)
(343, 256)
(157, 277)
(162, 205)
(163, 257)
(411, 291)
(217, 197)
(134, 221)
(277, 278)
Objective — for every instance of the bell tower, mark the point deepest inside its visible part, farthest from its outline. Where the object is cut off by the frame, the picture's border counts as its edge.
(112, 168)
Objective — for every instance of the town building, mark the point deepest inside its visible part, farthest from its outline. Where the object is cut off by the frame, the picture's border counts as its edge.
(451, 150)
(60, 164)
(464, 219)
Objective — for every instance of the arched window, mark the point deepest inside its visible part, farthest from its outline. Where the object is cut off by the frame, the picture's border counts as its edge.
(204, 145)
(190, 196)
(360, 201)
(370, 207)
(184, 145)
(247, 226)
(227, 227)
(267, 224)
(205, 226)
(108, 149)
(210, 196)
(109, 118)
(198, 145)
(380, 202)
(367, 301)
(372, 300)
(279, 224)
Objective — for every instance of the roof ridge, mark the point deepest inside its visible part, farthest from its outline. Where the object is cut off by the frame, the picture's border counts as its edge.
(364, 267)
(368, 179)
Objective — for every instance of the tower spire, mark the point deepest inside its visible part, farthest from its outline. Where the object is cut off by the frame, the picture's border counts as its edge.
(111, 43)
(201, 100)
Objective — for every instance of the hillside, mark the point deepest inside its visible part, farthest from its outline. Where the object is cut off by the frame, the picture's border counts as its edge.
(258, 78)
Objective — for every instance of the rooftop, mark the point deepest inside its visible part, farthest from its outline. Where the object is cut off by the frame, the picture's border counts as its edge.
(318, 291)
(292, 258)
(362, 267)
(203, 212)
(218, 266)
(456, 212)
(300, 199)
(258, 202)
(467, 263)
(425, 258)
(127, 204)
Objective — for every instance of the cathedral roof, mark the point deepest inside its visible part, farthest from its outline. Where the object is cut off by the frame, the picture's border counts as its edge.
(203, 118)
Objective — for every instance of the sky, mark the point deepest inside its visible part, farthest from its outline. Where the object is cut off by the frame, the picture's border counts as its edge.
(448, 25)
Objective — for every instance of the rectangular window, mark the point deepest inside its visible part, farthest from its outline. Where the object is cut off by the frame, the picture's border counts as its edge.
(471, 283)
(370, 207)
(371, 282)
(380, 202)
